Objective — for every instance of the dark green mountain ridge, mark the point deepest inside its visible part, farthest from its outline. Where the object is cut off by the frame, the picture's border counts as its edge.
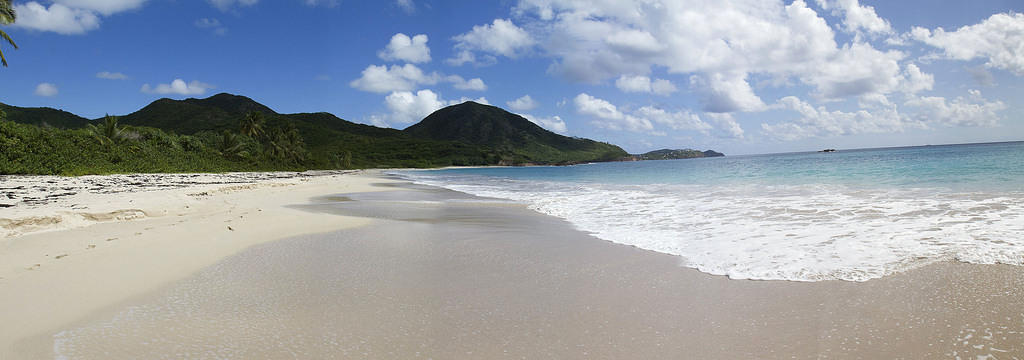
(185, 135)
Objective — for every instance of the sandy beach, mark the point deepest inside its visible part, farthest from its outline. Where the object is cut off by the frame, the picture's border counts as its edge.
(72, 246)
(434, 273)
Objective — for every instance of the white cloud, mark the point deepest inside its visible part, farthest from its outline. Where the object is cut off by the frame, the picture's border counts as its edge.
(722, 46)
(69, 16)
(178, 87)
(554, 123)
(501, 37)
(857, 18)
(111, 75)
(878, 116)
(998, 40)
(914, 80)
(57, 18)
(46, 89)
(382, 79)
(971, 111)
(855, 70)
(226, 5)
(608, 116)
(643, 84)
(105, 7)
(406, 5)
(682, 120)
(408, 107)
(727, 125)
(475, 84)
(728, 92)
(524, 103)
(404, 48)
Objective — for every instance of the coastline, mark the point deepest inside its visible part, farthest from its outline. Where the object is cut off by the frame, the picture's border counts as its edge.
(68, 257)
(437, 273)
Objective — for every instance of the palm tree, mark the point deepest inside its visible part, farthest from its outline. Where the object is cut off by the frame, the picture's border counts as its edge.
(252, 124)
(109, 133)
(7, 16)
(229, 145)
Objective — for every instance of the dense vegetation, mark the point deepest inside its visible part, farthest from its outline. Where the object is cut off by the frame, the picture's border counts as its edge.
(669, 154)
(521, 140)
(234, 133)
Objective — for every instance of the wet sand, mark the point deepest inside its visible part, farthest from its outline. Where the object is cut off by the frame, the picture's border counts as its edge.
(439, 274)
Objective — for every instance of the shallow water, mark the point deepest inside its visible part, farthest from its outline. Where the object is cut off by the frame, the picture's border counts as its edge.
(851, 215)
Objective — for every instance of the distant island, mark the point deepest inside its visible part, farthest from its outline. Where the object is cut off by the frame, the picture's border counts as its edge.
(672, 154)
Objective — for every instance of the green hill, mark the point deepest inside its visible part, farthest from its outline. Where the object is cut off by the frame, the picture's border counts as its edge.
(199, 135)
(518, 139)
(44, 117)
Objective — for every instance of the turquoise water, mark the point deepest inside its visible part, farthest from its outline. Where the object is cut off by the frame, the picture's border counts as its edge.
(973, 167)
(849, 215)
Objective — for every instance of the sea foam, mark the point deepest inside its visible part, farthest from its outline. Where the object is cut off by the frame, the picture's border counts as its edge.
(806, 232)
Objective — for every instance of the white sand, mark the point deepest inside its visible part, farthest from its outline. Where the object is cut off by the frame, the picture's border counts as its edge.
(66, 257)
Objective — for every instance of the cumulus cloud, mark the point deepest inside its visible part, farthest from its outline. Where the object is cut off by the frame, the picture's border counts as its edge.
(608, 116)
(726, 92)
(553, 123)
(524, 103)
(720, 45)
(382, 79)
(105, 7)
(857, 18)
(475, 84)
(46, 90)
(111, 75)
(971, 111)
(70, 17)
(643, 84)
(501, 37)
(997, 39)
(879, 116)
(408, 107)
(227, 5)
(681, 120)
(56, 18)
(403, 48)
(727, 125)
(178, 87)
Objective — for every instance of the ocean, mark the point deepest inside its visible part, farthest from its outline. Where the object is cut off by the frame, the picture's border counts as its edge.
(849, 215)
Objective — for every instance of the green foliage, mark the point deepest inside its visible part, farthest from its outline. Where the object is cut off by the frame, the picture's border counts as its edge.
(252, 124)
(109, 133)
(7, 16)
(669, 154)
(514, 139)
(203, 135)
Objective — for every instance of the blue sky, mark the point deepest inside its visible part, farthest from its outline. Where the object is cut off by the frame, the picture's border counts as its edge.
(740, 77)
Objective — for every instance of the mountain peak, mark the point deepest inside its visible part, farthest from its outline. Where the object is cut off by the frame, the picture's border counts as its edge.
(513, 135)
